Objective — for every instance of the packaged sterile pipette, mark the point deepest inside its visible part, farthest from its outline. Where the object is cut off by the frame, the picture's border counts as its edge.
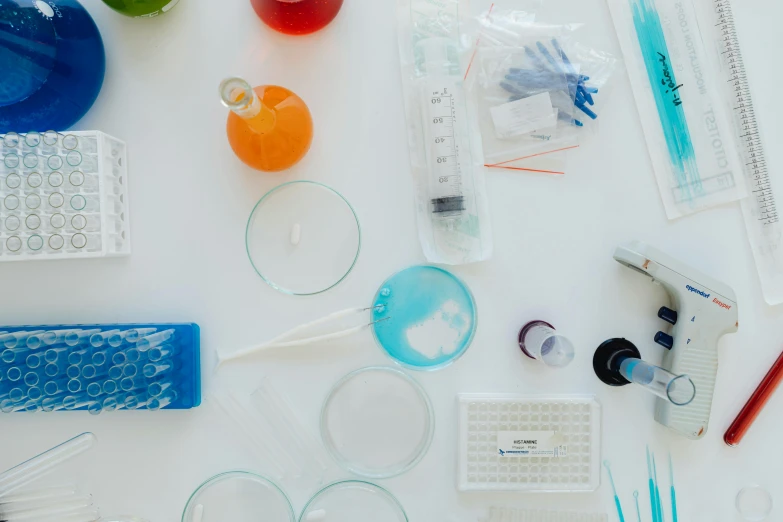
(446, 160)
(689, 139)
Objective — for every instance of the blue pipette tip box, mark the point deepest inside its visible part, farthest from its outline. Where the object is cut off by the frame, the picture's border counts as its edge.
(171, 350)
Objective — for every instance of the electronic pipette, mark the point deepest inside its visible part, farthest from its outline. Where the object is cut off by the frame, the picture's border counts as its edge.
(702, 310)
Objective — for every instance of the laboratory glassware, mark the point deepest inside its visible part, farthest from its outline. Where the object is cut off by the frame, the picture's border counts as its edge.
(353, 501)
(509, 442)
(141, 8)
(755, 404)
(432, 317)
(377, 422)
(76, 203)
(269, 127)
(53, 63)
(540, 341)
(303, 238)
(297, 17)
(754, 503)
(39, 465)
(504, 514)
(239, 496)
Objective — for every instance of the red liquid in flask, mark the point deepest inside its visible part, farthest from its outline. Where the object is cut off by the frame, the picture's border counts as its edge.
(297, 16)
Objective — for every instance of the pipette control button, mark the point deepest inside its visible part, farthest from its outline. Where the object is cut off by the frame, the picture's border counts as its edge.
(668, 315)
(665, 340)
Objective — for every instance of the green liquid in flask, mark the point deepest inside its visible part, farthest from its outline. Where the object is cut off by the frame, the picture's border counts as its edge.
(141, 8)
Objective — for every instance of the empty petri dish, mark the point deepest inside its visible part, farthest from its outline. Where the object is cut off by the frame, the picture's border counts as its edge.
(377, 422)
(353, 501)
(238, 496)
(303, 238)
(754, 503)
(425, 317)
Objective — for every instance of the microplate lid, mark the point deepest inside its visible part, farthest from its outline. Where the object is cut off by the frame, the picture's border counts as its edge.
(377, 422)
(426, 317)
(303, 238)
(238, 496)
(353, 501)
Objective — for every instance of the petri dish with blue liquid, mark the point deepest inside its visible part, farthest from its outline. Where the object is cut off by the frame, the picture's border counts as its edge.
(425, 317)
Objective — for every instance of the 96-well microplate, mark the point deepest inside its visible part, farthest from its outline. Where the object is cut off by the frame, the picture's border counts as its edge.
(576, 421)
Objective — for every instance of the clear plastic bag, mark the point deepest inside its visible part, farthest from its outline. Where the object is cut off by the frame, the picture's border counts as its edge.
(536, 90)
(445, 151)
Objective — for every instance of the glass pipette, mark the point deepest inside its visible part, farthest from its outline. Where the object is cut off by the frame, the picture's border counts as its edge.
(651, 485)
(614, 490)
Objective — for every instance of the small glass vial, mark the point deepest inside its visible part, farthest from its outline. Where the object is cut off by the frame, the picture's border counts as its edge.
(539, 340)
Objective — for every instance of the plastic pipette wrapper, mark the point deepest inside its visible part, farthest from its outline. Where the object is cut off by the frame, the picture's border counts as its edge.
(689, 137)
(445, 152)
(98, 368)
(537, 90)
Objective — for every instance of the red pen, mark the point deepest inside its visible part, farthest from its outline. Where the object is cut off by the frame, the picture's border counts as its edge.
(755, 404)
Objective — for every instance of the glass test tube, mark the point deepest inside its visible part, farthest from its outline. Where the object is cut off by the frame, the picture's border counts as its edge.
(52, 355)
(678, 389)
(55, 387)
(151, 370)
(99, 339)
(133, 383)
(51, 370)
(33, 468)
(53, 337)
(134, 334)
(161, 401)
(40, 494)
(77, 357)
(165, 351)
(34, 360)
(156, 389)
(116, 372)
(18, 339)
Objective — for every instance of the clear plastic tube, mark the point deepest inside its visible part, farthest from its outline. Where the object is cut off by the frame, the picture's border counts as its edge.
(77, 357)
(53, 337)
(133, 383)
(34, 393)
(678, 389)
(155, 339)
(79, 336)
(83, 515)
(33, 360)
(153, 370)
(156, 389)
(53, 354)
(33, 468)
(33, 513)
(99, 339)
(18, 339)
(73, 372)
(39, 494)
(161, 401)
(135, 334)
(159, 353)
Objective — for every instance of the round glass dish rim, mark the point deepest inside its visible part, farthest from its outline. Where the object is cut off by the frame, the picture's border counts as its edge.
(250, 219)
(444, 364)
(244, 473)
(427, 440)
(352, 481)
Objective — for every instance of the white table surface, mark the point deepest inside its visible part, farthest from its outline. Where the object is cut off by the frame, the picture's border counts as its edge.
(190, 198)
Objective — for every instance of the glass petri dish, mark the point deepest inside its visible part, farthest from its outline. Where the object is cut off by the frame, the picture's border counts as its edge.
(754, 503)
(377, 422)
(425, 317)
(303, 238)
(238, 496)
(353, 501)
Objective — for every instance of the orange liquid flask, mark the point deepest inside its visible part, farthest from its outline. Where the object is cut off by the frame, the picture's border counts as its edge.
(269, 127)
